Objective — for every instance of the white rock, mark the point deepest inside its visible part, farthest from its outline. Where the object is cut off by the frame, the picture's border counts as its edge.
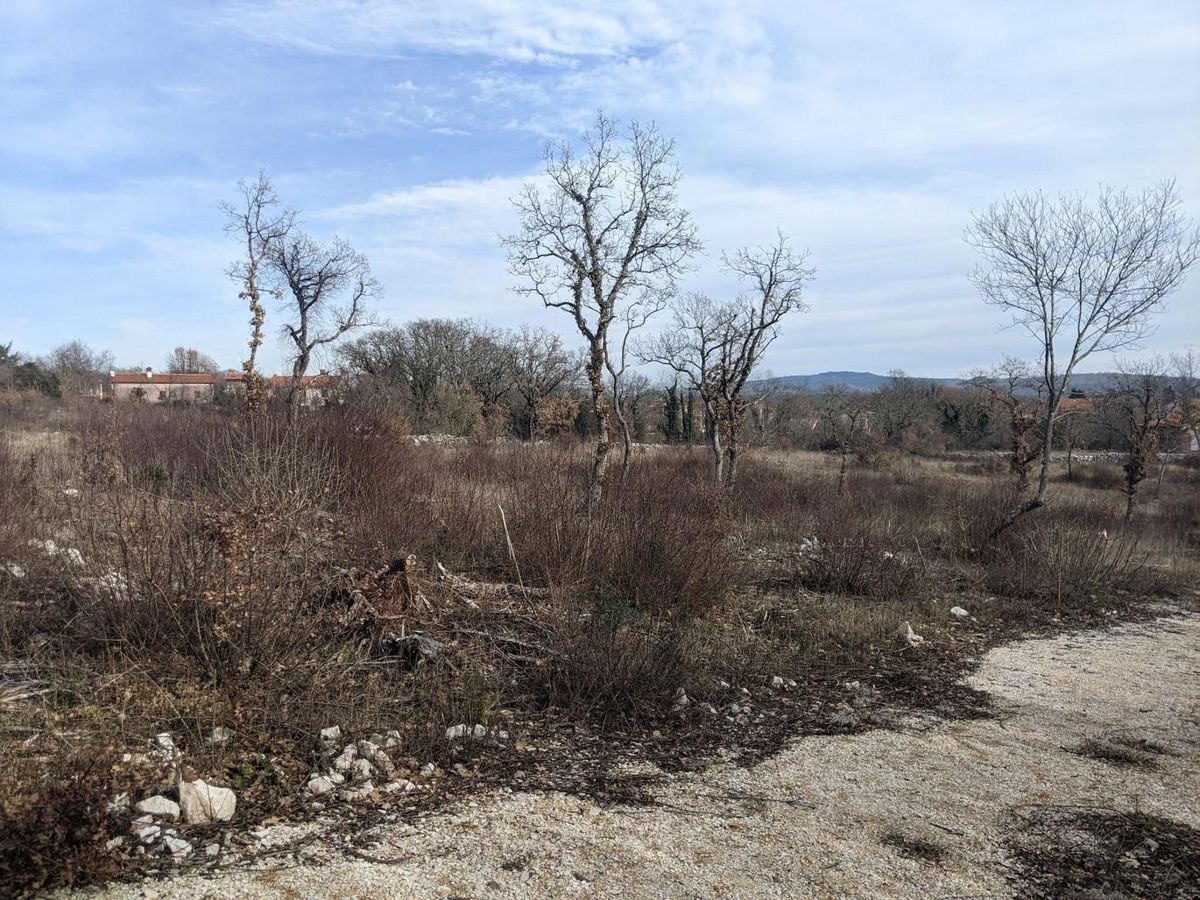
(360, 793)
(119, 802)
(343, 763)
(454, 732)
(367, 750)
(322, 784)
(220, 735)
(177, 846)
(147, 833)
(402, 786)
(74, 557)
(428, 770)
(71, 492)
(910, 637)
(212, 850)
(479, 731)
(777, 682)
(383, 762)
(164, 745)
(331, 734)
(114, 843)
(202, 803)
(158, 805)
(958, 612)
(362, 768)
(13, 569)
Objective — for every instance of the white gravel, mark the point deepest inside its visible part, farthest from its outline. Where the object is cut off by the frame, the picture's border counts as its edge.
(953, 783)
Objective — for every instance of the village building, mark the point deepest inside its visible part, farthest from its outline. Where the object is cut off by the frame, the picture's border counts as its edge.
(149, 386)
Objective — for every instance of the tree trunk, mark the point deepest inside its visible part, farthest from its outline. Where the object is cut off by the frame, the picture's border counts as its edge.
(626, 438)
(731, 453)
(595, 374)
(296, 389)
(714, 441)
(842, 470)
(1039, 498)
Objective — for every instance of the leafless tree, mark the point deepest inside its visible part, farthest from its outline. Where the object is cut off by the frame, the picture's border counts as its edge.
(429, 364)
(261, 224)
(900, 405)
(716, 346)
(1013, 387)
(775, 276)
(607, 226)
(633, 318)
(189, 360)
(326, 289)
(845, 415)
(1080, 277)
(1135, 408)
(541, 368)
(1185, 371)
(693, 347)
(79, 368)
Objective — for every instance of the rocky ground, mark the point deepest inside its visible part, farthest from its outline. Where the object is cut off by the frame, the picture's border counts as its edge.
(1108, 720)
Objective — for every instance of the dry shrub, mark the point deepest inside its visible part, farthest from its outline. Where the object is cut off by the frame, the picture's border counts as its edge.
(614, 664)
(1061, 557)
(1100, 475)
(857, 555)
(55, 824)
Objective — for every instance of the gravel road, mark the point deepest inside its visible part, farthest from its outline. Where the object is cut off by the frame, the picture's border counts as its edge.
(810, 822)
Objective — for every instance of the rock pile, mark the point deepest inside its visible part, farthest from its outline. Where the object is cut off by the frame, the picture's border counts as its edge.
(353, 772)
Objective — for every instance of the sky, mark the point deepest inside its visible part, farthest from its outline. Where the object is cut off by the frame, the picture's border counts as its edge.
(867, 132)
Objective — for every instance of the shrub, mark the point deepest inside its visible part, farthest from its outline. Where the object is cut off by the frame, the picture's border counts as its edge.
(55, 824)
(1064, 559)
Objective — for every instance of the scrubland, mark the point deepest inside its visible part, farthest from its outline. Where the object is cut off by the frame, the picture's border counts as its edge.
(243, 585)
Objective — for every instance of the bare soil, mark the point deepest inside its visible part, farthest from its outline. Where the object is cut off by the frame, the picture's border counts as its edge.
(928, 807)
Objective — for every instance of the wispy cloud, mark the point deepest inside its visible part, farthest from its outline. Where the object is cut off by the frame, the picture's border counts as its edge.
(867, 131)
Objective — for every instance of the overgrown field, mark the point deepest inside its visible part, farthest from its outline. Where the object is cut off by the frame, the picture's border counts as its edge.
(243, 586)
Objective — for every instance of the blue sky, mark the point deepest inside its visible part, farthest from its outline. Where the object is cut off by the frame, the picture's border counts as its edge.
(866, 131)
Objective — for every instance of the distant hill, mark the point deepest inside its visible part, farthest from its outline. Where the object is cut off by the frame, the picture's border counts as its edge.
(1089, 382)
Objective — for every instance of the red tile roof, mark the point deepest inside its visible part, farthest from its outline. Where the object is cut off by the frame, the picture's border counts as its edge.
(162, 378)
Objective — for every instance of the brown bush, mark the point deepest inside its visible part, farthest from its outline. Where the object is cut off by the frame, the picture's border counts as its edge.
(55, 824)
(1066, 560)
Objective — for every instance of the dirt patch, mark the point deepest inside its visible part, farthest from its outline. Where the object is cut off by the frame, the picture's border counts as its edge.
(1074, 852)
(810, 820)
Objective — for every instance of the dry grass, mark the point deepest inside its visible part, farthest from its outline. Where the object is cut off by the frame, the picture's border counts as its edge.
(247, 577)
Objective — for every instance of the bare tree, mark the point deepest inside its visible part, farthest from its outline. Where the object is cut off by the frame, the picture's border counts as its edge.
(607, 226)
(900, 405)
(1185, 370)
(776, 276)
(189, 360)
(79, 368)
(716, 346)
(326, 288)
(1135, 409)
(632, 319)
(541, 368)
(260, 223)
(693, 347)
(1013, 387)
(1080, 278)
(845, 417)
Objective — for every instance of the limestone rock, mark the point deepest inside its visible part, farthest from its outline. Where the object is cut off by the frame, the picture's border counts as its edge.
(202, 803)
(158, 805)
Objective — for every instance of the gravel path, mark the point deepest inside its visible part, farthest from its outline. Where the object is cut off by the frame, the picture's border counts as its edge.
(809, 822)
